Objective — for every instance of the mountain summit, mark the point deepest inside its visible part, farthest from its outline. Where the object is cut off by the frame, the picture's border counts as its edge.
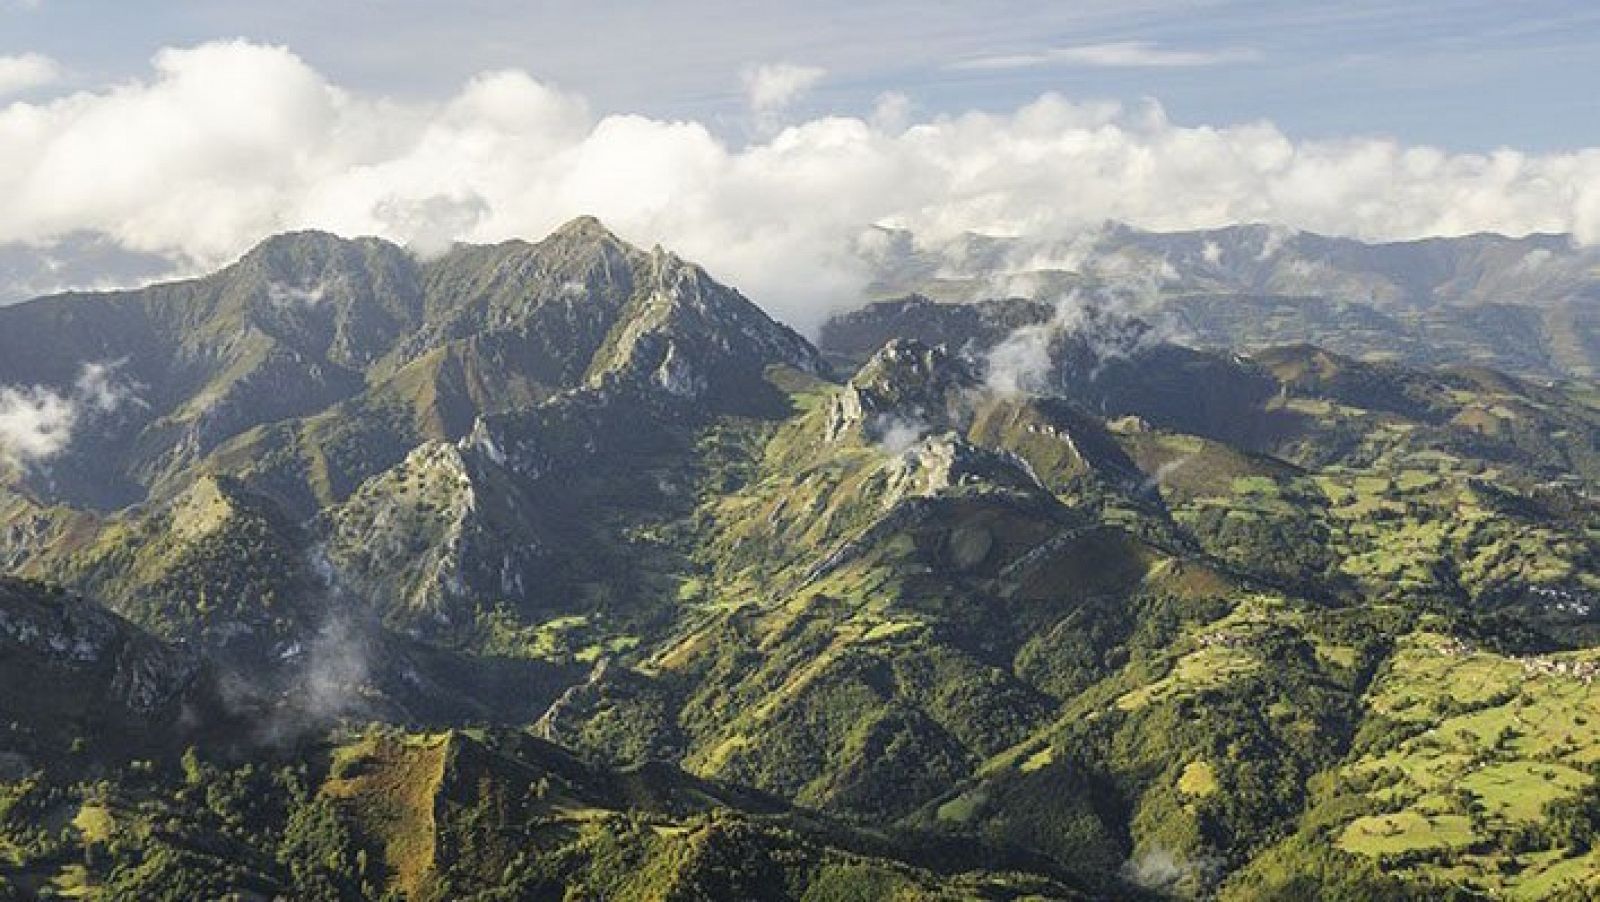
(310, 333)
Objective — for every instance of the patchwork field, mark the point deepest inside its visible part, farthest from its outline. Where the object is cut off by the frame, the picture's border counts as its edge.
(1486, 750)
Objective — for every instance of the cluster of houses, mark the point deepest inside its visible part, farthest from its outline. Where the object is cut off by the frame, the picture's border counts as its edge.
(1224, 639)
(1532, 665)
(1572, 670)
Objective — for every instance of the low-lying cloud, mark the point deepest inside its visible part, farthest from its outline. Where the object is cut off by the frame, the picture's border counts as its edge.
(225, 143)
(325, 680)
(896, 434)
(35, 423)
(1163, 871)
(38, 422)
(1112, 323)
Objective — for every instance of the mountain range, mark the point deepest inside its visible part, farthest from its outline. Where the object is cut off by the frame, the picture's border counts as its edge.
(561, 570)
(1528, 305)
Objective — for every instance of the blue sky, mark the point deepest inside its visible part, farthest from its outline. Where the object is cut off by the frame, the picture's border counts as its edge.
(1459, 74)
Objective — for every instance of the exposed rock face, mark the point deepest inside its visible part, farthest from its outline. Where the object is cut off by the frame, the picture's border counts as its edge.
(677, 376)
(903, 392)
(957, 610)
(860, 333)
(442, 529)
(934, 465)
(694, 338)
(72, 650)
(1107, 363)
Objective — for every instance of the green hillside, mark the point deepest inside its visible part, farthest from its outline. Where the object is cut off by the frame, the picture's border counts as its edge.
(560, 571)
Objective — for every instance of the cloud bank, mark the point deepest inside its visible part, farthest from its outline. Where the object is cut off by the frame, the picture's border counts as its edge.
(225, 143)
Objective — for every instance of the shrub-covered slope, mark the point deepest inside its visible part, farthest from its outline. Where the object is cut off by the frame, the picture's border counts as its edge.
(559, 568)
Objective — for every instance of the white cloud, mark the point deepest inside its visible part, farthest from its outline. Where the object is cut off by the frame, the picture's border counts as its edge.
(772, 88)
(26, 71)
(898, 434)
(1113, 55)
(1110, 323)
(98, 388)
(37, 422)
(429, 225)
(226, 143)
(891, 112)
(294, 296)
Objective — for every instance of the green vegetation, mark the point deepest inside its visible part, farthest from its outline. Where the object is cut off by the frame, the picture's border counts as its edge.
(559, 571)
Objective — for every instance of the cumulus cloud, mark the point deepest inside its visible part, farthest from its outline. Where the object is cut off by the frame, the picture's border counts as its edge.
(429, 225)
(773, 87)
(1112, 55)
(225, 143)
(26, 71)
(37, 422)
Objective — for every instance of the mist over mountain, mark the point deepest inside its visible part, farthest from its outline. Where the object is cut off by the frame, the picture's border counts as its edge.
(561, 569)
(1527, 305)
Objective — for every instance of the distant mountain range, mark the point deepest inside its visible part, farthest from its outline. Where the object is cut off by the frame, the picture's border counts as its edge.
(1527, 305)
(561, 570)
(80, 260)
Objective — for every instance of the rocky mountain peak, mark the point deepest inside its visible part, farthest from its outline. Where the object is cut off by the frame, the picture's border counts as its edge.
(906, 385)
(586, 228)
(935, 464)
(905, 364)
(692, 337)
(288, 247)
(578, 248)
